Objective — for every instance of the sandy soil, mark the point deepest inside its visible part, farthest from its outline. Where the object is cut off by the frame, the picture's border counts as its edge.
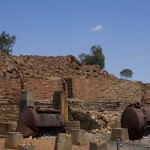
(42, 144)
(48, 144)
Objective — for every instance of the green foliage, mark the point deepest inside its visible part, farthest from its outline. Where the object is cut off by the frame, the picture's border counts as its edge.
(126, 73)
(96, 57)
(6, 42)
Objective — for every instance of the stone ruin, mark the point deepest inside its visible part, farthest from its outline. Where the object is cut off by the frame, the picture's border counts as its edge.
(94, 95)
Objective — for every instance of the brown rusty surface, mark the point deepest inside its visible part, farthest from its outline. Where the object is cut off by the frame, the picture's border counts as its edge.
(30, 120)
(136, 117)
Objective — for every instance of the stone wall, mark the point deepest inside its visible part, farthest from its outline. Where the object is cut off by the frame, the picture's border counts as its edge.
(9, 90)
(43, 89)
(146, 93)
(10, 94)
(9, 112)
(106, 89)
(44, 75)
(87, 93)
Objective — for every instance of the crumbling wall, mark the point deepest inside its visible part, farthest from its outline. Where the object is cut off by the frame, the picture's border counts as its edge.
(9, 112)
(9, 89)
(43, 89)
(44, 75)
(10, 94)
(146, 93)
(106, 89)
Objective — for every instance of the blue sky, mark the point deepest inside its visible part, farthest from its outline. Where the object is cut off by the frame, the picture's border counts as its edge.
(71, 27)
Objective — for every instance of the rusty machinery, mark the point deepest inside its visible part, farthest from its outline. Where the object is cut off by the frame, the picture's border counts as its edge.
(36, 115)
(136, 118)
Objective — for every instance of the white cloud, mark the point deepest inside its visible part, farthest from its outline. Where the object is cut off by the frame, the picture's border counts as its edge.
(97, 28)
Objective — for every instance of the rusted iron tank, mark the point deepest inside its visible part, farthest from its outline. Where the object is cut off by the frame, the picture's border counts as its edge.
(34, 116)
(136, 118)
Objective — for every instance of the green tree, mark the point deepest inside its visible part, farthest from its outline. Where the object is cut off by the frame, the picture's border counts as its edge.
(96, 57)
(126, 73)
(7, 42)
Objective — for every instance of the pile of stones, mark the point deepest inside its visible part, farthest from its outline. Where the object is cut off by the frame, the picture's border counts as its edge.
(43, 67)
(97, 122)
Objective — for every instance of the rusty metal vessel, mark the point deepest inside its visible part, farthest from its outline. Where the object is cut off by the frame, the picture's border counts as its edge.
(36, 115)
(136, 118)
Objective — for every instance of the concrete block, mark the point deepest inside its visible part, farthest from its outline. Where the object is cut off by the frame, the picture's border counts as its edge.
(101, 145)
(13, 139)
(63, 142)
(119, 133)
(71, 125)
(78, 137)
(26, 99)
(26, 95)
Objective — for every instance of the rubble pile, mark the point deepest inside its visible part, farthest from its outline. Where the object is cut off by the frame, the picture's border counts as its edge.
(97, 122)
(43, 67)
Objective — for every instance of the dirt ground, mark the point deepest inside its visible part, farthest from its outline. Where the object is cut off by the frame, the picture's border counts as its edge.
(48, 144)
(42, 144)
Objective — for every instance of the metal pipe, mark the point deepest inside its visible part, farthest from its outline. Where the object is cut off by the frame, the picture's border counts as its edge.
(118, 144)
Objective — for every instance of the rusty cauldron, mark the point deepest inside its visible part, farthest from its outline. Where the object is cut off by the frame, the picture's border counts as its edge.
(136, 118)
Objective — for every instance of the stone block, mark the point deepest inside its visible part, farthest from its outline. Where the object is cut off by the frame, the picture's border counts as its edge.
(26, 95)
(26, 99)
(13, 139)
(63, 142)
(119, 133)
(78, 137)
(101, 145)
(71, 125)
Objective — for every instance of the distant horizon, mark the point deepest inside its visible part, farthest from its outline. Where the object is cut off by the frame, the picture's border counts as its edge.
(65, 27)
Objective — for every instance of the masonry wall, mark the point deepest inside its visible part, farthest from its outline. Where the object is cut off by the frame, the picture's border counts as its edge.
(146, 93)
(9, 112)
(10, 94)
(43, 89)
(9, 89)
(85, 89)
(105, 89)
(44, 75)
